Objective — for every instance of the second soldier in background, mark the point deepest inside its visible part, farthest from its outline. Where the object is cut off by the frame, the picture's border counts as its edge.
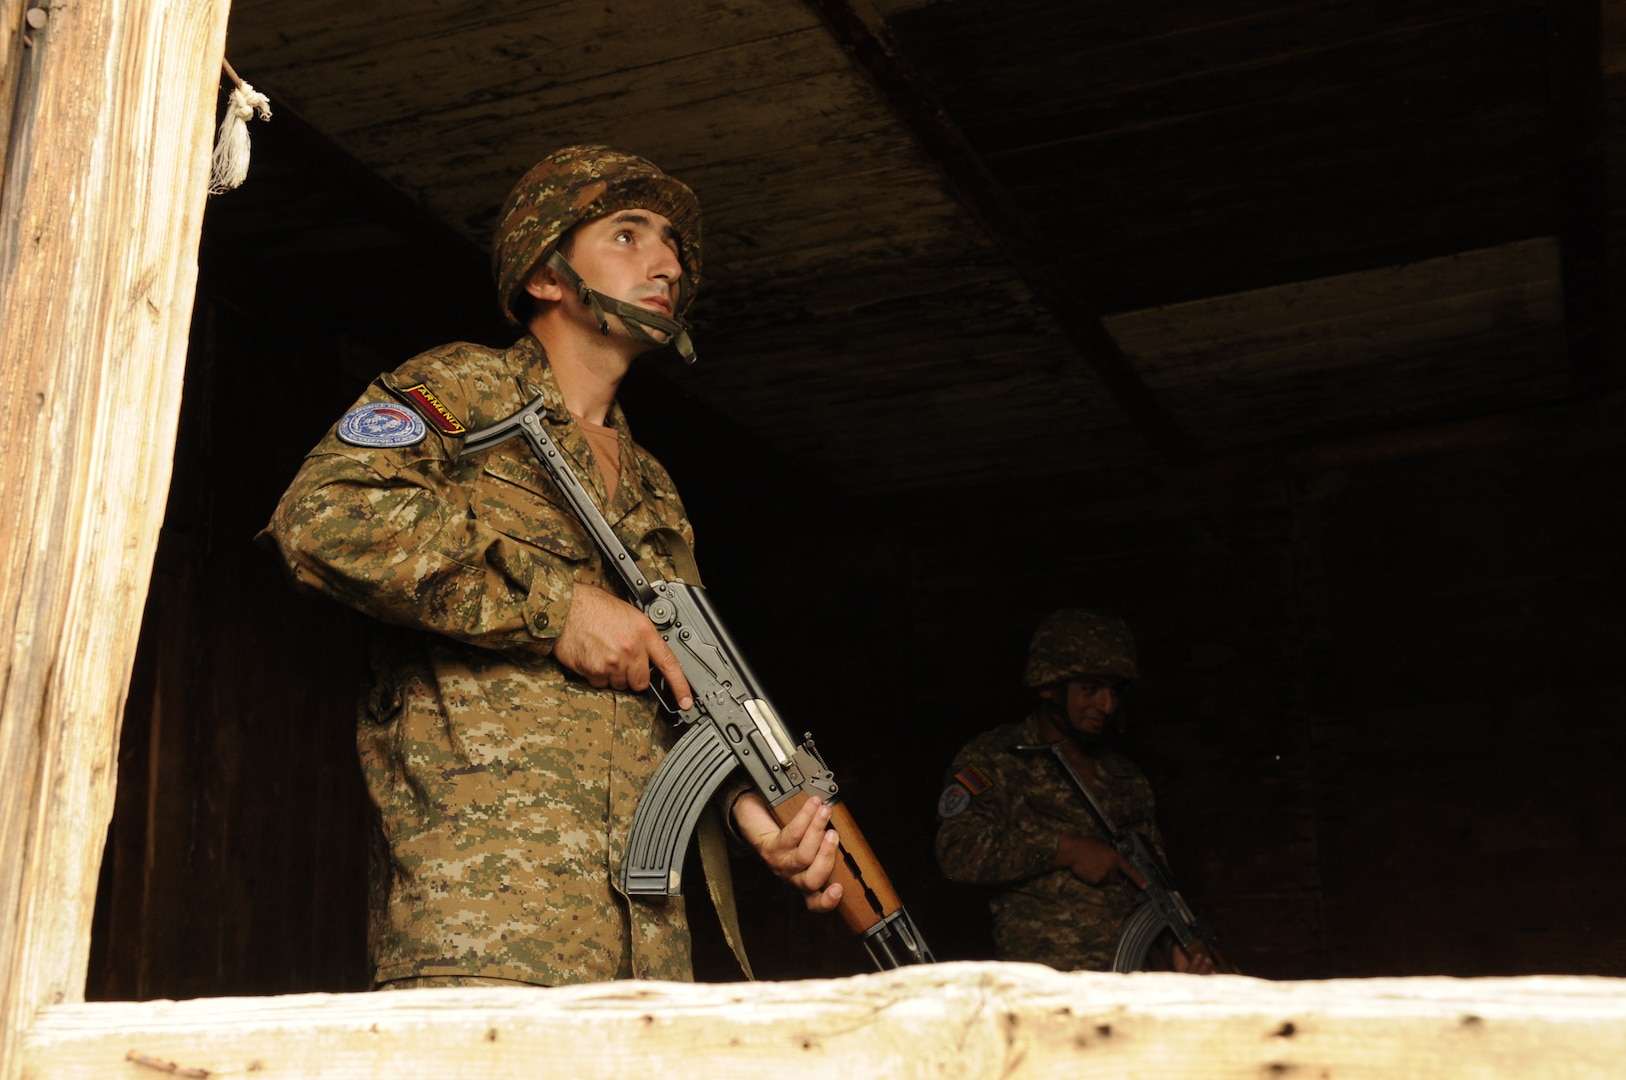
(1014, 819)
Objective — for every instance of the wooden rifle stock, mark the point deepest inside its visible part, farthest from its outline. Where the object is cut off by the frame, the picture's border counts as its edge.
(867, 895)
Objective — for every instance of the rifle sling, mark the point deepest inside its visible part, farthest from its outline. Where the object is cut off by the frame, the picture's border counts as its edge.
(720, 883)
(1057, 751)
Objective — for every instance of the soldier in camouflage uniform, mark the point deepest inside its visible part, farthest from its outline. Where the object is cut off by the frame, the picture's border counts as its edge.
(506, 736)
(1015, 820)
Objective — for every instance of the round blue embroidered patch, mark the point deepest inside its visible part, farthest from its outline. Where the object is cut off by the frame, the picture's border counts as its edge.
(379, 423)
(954, 801)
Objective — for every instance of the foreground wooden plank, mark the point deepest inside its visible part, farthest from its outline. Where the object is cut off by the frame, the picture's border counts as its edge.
(951, 1020)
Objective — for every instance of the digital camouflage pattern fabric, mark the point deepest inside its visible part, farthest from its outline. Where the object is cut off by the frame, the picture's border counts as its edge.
(504, 784)
(1007, 835)
(1072, 642)
(580, 183)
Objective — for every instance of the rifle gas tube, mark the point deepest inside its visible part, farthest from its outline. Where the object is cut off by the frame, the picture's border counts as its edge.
(732, 725)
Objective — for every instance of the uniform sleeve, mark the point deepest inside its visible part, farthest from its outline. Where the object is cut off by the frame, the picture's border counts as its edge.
(384, 530)
(992, 840)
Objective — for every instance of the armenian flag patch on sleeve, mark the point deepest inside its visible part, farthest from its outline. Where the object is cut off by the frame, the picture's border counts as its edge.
(967, 784)
(973, 780)
(423, 399)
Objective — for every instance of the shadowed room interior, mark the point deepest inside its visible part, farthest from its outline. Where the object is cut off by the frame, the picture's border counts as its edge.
(1282, 329)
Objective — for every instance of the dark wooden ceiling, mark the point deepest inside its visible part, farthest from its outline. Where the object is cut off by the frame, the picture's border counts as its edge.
(968, 242)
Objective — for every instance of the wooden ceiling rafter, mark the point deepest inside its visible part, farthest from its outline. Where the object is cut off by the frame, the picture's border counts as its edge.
(861, 36)
(1240, 479)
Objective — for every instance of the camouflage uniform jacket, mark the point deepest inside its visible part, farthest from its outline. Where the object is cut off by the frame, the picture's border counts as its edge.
(1007, 835)
(504, 784)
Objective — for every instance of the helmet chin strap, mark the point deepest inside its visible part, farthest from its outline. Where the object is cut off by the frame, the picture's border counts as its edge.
(639, 321)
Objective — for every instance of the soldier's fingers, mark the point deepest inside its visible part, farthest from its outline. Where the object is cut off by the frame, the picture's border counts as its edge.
(809, 846)
(821, 861)
(1129, 871)
(666, 662)
(638, 674)
(796, 829)
(826, 899)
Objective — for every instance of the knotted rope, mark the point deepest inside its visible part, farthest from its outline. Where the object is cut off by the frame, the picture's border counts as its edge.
(229, 166)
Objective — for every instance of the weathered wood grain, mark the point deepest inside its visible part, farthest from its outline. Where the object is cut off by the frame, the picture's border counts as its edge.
(1114, 69)
(607, 82)
(99, 221)
(747, 131)
(1400, 341)
(567, 39)
(1293, 144)
(957, 1020)
(12, 55)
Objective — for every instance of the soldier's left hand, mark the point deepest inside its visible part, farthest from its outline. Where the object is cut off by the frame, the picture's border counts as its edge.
(1198, 963)
(803, 852)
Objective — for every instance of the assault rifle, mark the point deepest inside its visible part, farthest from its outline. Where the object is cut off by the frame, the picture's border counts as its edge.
(731, 726)
(1160, 906)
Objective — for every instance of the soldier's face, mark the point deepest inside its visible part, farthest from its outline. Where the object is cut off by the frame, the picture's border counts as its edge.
(631, 255)
(1089, 703)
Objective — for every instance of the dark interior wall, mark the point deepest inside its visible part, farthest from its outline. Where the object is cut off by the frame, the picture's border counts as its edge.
(1467, 657)
(1380, 705)
(236, 860)
(224, 873)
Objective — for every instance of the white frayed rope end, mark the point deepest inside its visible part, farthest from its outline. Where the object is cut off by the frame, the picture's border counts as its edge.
(230, 162)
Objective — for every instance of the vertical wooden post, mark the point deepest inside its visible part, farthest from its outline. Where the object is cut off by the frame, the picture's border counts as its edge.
(12, 30)
(100, 212)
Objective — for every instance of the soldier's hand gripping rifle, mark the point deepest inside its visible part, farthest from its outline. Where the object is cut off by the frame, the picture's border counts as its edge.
(731, 726)
(1160, 905)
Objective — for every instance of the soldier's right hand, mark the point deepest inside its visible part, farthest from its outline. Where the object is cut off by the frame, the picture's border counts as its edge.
(1093, 861)
(610, 643)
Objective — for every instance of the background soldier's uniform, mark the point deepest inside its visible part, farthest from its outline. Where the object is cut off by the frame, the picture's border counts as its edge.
(505, 785)
(1007, 835)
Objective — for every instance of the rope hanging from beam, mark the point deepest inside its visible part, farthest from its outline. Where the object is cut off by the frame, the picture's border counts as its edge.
(229, 165)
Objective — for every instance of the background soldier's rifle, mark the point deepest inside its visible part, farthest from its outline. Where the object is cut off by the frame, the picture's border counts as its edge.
(1160, 906)
(731, 726)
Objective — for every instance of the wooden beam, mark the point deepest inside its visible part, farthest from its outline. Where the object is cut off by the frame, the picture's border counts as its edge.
(863, 37)
(1258, 477)
(1581, 184)
(100, 212)
(1010, 1021)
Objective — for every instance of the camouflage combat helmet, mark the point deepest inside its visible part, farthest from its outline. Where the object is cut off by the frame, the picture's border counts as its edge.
(1071, 643)
(579, 183)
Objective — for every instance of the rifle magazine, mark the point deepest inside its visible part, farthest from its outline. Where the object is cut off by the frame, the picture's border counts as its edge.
(669, 809)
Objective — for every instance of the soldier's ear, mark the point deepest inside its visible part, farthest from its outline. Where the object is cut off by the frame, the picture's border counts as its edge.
(544, 284)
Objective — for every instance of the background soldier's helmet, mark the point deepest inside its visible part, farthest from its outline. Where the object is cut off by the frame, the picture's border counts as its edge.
(1072, 643)
(580, 183)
